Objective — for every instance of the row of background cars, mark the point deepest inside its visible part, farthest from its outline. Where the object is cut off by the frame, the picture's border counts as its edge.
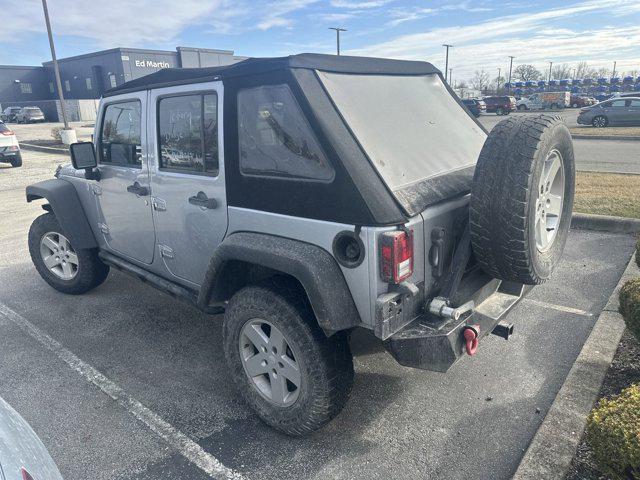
(620, 109)
(29, 114)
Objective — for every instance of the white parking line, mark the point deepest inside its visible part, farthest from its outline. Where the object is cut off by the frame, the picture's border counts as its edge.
(174, 437)
(560, 308)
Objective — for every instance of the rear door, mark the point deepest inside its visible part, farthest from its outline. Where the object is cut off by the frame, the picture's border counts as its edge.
(634, 111)
(616, 112)
(189, 200)
(123, 191)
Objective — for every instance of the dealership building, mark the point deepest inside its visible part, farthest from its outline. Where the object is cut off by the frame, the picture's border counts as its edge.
(85, 77)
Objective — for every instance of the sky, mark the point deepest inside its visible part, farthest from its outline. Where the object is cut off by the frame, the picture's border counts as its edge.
(483, 33)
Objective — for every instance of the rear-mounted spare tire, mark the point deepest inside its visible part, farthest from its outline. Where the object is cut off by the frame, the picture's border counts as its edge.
(522, 197)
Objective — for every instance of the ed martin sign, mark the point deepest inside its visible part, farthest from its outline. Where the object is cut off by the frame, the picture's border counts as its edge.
(151, 64)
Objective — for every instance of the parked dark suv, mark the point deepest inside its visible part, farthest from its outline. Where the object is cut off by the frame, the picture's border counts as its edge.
(476, 107)
(500, 105)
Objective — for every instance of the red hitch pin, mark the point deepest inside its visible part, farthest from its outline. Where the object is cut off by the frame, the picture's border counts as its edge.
(470, 334)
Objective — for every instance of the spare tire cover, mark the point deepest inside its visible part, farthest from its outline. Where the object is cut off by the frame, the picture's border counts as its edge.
(522, 198)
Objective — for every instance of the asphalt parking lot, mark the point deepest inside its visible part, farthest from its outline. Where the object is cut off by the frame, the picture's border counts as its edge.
(473, 422)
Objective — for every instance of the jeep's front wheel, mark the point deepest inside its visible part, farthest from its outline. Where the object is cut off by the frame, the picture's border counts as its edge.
(65, 268)
(293, 376)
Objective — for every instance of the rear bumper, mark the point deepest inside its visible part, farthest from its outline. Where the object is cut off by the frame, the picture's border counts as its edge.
(431, 343)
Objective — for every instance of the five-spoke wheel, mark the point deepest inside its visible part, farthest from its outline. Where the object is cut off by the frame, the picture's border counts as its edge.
(58, 255)
(270, 362)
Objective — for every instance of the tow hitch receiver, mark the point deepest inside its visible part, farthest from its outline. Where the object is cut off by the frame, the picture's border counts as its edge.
(431, 342)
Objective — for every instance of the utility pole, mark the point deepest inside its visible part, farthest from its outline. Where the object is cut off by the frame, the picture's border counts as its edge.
(498, 80)
(510, 69)
(614, 70)
(574, 72)
(338, 30)
(446, 61)
(56, 69)
(550, 65)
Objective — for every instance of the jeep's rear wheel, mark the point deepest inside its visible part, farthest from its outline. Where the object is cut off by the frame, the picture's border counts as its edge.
(17, 160)
(65, 268)
(522, 197)
(293, 376)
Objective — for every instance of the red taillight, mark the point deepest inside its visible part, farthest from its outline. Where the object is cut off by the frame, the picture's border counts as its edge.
(8, 133)
(396, 256)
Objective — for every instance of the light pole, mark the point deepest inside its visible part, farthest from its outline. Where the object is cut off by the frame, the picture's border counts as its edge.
(574, 72)
(56, 69)
(510, 69)
(614, 70)
(338, 30)
(550, 65)
(446, 61)
(498, 80)
(451, 76)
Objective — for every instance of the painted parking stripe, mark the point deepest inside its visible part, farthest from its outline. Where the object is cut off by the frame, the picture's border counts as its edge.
(560, 308)
(174, 437)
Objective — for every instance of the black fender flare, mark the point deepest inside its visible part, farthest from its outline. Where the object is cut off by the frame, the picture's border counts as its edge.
(65, 203)
(315, 269)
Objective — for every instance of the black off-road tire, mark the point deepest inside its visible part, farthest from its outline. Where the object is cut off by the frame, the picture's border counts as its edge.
(326, 364)
(91, 273)
(17, 161)
(504, 195)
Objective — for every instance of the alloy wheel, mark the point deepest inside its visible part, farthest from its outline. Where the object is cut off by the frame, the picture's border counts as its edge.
(550, 200)
(58, 255)
(270, 362)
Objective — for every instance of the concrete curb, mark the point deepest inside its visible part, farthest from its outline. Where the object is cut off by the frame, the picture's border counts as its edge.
(39, 148)
(553, 447)
(606, 137)
(605, 223)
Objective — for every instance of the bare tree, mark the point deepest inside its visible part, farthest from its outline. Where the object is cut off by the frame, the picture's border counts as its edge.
(480, 80)
(461, 87)
(498, 84)
(635, 73)
(583, 70)
(527, 73)
(562, 71)
(602, 72)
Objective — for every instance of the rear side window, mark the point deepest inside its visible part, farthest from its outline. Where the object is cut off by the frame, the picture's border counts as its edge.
(618, 103)
(275, 138)
(120, 137)
(634, 103)
(3, 128)
(188, 133)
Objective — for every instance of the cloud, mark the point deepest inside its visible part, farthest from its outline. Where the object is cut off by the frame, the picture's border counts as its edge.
(487, 44)
(355, 5)
(277, 11)
(335, 17)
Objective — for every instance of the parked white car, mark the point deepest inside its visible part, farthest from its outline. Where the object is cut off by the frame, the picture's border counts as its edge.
(544, 100)
(9, 147)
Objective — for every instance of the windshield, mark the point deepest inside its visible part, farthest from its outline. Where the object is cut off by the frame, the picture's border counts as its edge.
(412, 129)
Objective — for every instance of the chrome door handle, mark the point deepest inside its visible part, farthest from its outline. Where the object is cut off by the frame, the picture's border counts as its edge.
(138, 189)
(201, 200)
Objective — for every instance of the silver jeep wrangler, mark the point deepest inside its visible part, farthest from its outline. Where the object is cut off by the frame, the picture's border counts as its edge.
(304, 197)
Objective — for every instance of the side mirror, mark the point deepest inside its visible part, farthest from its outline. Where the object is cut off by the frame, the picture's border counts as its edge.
(83, 157)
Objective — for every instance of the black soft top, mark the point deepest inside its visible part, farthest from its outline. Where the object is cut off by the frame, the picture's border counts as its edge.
(252, 66)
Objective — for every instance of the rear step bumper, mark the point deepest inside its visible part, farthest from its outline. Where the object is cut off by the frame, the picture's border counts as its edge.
(431, 343)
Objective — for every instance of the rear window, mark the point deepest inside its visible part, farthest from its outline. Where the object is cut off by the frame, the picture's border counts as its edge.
(32, 110)
(411, 127)
(3, 128)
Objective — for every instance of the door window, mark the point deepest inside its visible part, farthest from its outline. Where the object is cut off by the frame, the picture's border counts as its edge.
(120, 137)
(188, 133)
(634, 103)
(618, 103)
(275, 138)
